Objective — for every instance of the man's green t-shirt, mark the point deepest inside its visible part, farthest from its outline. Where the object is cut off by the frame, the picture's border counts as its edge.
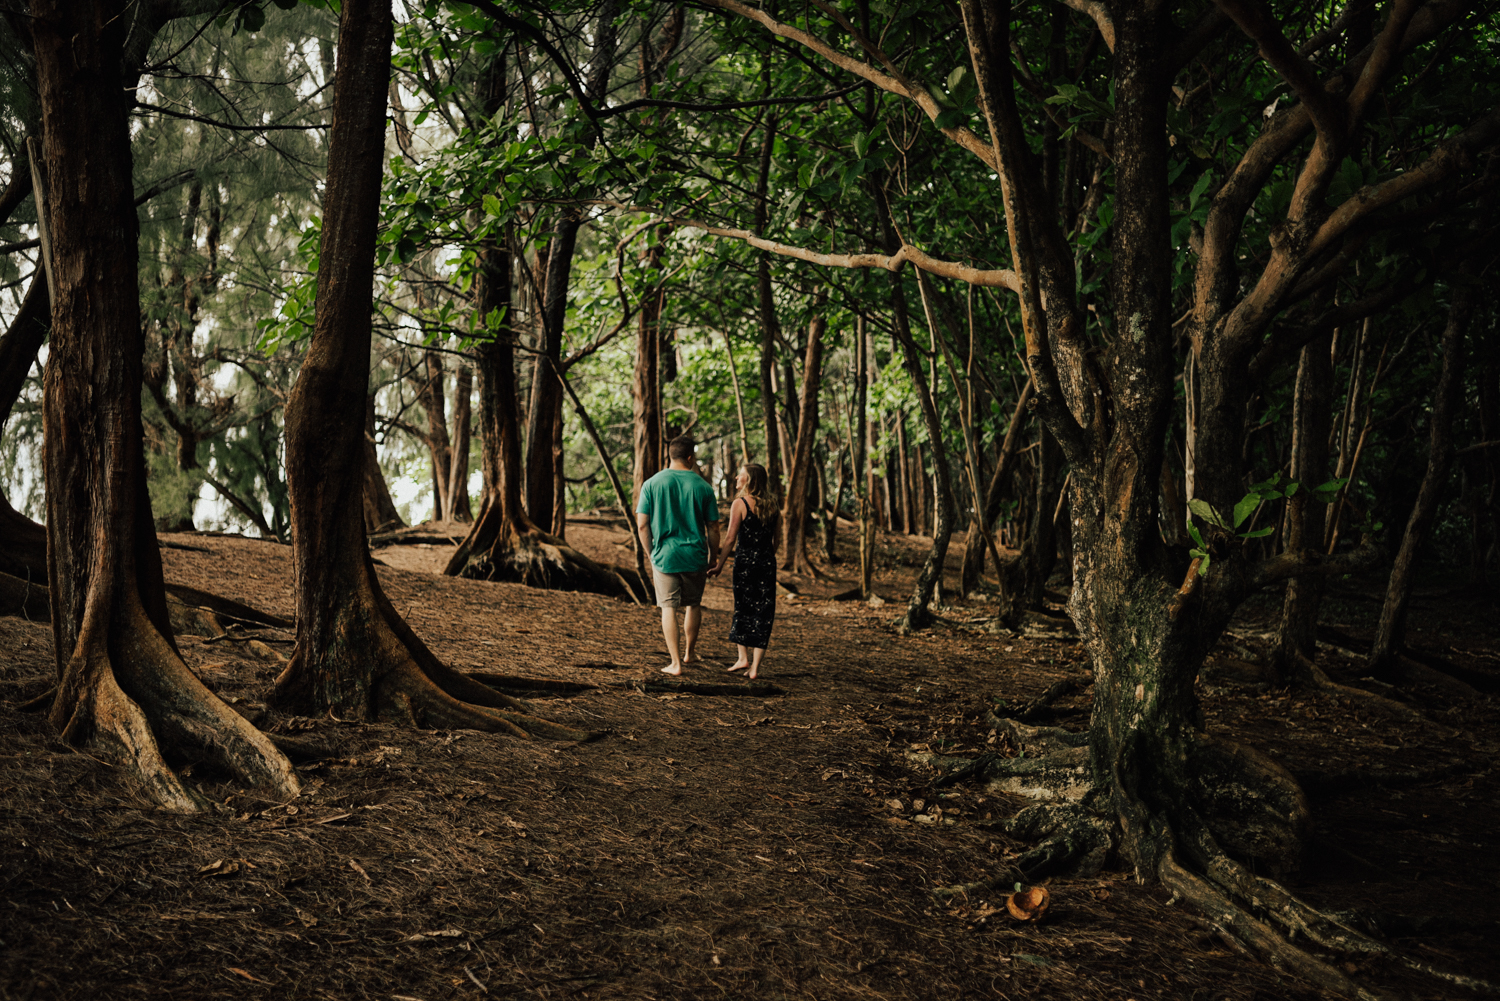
(679, 503)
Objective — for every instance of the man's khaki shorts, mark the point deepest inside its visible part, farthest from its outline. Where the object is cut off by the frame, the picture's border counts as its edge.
(679, 590)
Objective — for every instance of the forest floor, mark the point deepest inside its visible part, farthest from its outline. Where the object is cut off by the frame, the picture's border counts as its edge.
(780, 845)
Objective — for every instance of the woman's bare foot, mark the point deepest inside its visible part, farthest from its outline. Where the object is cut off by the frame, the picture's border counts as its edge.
(752, 673)
(672, 669)
(738, 666)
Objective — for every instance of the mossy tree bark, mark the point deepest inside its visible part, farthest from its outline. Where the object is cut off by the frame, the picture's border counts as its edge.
(355, 656)
(122, 685)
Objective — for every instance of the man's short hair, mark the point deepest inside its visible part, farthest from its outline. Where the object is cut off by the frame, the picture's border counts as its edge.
(681, 447)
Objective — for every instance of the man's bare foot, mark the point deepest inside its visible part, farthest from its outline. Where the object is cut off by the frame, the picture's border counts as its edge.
(672, 669)
(738, 665)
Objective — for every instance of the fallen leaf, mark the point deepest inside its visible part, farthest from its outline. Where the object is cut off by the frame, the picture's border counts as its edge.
(359, 869)
(427, 936)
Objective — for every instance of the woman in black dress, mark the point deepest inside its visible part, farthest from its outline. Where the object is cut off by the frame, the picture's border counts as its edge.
(753, 520)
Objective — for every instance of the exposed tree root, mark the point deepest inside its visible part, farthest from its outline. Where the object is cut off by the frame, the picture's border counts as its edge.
(1028, 711)
(1238, 799)
(376, 667)
(537, 559)
(226, 608)
(126, 688)
(1332, 783)
(22, 598)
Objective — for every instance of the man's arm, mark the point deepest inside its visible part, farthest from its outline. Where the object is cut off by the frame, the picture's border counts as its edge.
(713, 544)
(643, 529)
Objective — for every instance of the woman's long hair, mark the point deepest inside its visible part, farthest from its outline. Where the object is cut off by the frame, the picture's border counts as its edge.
(758, 488)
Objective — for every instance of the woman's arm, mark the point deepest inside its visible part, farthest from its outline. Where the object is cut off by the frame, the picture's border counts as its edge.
(736, 515)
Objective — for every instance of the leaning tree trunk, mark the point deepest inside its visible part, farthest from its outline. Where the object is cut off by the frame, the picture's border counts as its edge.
(1312, 421)
(795, 505)
(355, 656)
(23, 543)
(1390, 634)
(122, 685)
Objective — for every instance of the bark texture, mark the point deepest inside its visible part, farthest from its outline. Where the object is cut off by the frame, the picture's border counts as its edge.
(355, 656)
(122, 686)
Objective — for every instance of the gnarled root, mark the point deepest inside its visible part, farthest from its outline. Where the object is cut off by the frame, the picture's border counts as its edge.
(134, 697)
(536, 559)
(383, 670)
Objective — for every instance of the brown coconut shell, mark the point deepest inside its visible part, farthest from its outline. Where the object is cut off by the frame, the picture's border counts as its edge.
(1028, 904)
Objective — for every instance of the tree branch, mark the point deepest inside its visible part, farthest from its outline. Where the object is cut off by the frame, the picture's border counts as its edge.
(894, 84)
(225, 125)
(1256, 21)
(992, 278)
(1310, 562)
(1100, 15)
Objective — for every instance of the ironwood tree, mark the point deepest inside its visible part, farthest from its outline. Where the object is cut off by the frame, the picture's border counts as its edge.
(122, 686)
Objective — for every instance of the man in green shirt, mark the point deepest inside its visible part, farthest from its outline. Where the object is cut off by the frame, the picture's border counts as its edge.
(677, 508)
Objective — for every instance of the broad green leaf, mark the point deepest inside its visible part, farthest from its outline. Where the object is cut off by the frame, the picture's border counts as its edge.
(1245, 508)
(1204, 510)
(1259, 533)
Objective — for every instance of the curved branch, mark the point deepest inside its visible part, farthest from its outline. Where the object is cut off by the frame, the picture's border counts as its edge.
(1101, 17)
(1450, 156)
(1310, 562)
(894, 84)
(1256, 21)
(991, 278)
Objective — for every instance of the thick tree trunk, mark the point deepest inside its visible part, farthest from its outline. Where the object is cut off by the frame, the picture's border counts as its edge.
(795, 507)
(380, 510)
(994, 496)
(1390, 634)
(1312, 419)
(122, 685)
(355, 656)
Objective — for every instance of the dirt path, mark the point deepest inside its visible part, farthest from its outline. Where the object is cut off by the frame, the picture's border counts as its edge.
(707, 846)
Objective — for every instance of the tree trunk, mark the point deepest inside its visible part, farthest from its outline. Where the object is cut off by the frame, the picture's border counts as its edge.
(459, 508)
(355, 656)
(380, 510)
(769, 325)
(1312, 419)
(906, 506)
(859, 447)
(23, 543)
(994, 495)
(795, 506)
(646, 394)
(504, 543)
(429, 387)
(1390, 635)
(122, 686)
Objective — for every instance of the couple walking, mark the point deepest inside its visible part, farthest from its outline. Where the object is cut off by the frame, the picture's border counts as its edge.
(678, 521)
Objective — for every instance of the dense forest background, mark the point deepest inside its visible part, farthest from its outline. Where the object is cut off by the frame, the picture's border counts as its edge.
(1163, 306)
